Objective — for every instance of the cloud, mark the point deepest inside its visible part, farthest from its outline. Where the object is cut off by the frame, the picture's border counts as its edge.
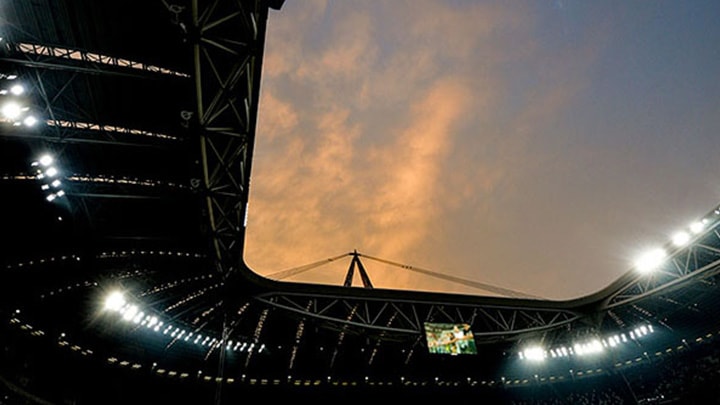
(276, 117)
(402, 130)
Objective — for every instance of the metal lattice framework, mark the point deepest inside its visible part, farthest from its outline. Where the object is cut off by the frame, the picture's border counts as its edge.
(698, 260)
(408, 317)
(228, 39)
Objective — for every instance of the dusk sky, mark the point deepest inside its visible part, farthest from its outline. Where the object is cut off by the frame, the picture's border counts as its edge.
(538, 146)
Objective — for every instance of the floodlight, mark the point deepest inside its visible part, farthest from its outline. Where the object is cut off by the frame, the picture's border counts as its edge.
(130, 312)
(56, 183)
(579, 349)
(51, 172)
(46, 160)
(51, 197)
(17, 89)
(30, 121)
(650, 260)
(534, 353)
(114, 301)
(697, 227)
(680, 238)
(11, 110)
(139, 317)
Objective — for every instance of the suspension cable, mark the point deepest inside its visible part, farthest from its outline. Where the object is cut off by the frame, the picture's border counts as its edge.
(469, 283)
(297, 270)
(280, 275)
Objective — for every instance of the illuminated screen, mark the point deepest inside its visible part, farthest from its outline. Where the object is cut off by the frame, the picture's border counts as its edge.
(450, 338)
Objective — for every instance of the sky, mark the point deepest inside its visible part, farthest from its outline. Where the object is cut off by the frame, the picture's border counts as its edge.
(536, 146)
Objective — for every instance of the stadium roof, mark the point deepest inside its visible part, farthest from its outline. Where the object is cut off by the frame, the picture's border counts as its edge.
(148, 110)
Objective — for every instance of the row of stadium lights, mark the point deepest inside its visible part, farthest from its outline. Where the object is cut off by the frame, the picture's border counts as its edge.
(594, 346)
(116, 302)
(645, 264)
(652, 259)
(63, 341)
(46, 171)
(49, 176)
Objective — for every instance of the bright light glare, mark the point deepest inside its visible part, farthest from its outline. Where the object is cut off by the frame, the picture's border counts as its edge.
(51, 171)
(130, 312)
(591, 347)
(46, 160)
(11, 110)
(56, 183)
(30, 121)
(650, 260)
(139, 317)
(680, 238)
(697, 227)
(17, 89)
(534, 353)
(114, 301)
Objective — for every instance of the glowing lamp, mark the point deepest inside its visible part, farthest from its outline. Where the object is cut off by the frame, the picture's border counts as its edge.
(114, 301)
(650, 260)
(11, 110)
(681, 238)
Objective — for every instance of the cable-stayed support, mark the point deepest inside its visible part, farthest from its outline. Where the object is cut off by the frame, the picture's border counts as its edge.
(356, 263)
(367, 283)
(390, 318)
(469, 283)
(281, 275)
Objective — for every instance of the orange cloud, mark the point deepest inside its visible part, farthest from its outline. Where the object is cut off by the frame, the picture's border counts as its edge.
(402, 135)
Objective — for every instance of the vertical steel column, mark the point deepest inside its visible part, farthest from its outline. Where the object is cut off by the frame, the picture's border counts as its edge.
(227, 38)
